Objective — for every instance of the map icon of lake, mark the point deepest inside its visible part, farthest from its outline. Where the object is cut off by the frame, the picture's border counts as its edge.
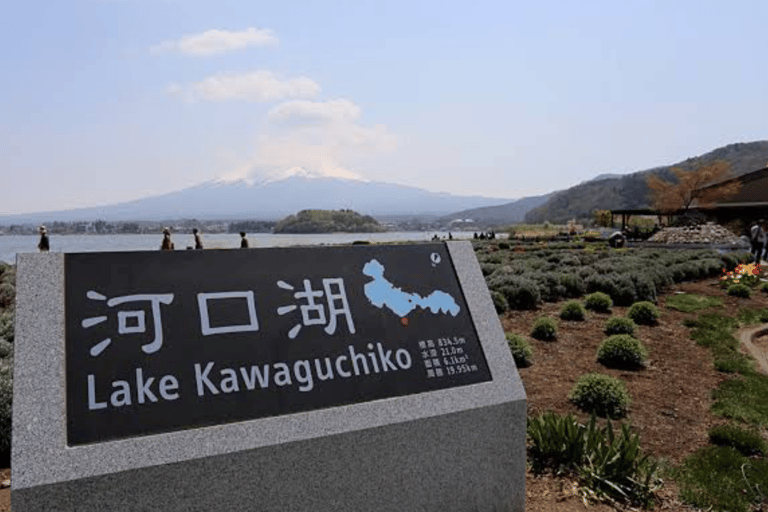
(383, 293)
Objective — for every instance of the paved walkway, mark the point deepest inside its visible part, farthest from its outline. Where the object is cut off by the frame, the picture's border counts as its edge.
(747, 336)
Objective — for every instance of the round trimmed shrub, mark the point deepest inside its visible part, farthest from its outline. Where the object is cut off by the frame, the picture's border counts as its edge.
(572, 310)
(520, 292)
(550, 289)
(521, 350)
(488, 268)
(600, 394)
(7, 325)
(9, 276)
(544, 329)
(598, 301)
(619, 325)
(6, 396)
(643, 313)
(730, 261)
(573, 283)
(7, 294)
(622, 351)
(499, 302)
(6, 349)
(738, 290)
(763, 287)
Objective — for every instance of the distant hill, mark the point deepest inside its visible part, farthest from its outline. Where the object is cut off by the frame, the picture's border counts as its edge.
(327, 221)
(507, 213)
(271, 199)
(630, 191)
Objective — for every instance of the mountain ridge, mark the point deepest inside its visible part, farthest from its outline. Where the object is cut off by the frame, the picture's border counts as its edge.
(630, 190)
(271, 200)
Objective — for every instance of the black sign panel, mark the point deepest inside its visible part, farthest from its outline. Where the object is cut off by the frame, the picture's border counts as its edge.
(164, 341)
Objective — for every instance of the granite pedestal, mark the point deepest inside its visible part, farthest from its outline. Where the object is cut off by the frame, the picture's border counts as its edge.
(456, 449)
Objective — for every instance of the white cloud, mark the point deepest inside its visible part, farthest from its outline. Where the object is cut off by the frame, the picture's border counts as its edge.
(256, 86)
(330, 144)
(212, 42)
(315, 111)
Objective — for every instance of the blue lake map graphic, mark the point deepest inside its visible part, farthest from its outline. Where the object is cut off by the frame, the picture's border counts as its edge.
(383, 293)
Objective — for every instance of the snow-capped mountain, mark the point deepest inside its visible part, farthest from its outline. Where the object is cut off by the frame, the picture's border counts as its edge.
(278, 195)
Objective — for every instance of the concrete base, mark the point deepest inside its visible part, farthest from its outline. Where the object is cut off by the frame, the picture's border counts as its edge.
(414, 466)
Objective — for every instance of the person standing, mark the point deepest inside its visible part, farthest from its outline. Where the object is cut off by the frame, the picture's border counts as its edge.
(243, 240)
(755, 237)
(167, 245)
(762, 240)
(198, 241)
(44, 245)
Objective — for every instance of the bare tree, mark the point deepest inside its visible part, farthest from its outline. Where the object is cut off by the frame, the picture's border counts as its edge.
(689, 189)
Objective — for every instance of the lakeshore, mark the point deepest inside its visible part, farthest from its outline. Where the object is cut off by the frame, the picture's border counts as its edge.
(10, 245)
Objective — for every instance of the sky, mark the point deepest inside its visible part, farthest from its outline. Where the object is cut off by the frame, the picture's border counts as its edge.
(104, 101)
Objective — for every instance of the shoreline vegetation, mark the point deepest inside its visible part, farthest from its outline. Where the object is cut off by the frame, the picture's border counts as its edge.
(328, 221)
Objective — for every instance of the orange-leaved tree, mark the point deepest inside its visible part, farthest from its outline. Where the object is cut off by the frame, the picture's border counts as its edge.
(670, 197)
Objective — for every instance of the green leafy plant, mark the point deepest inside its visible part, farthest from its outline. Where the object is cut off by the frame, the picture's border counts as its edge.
(610, 466)
(746, 441)
(520, 292)
(598, 301)
(643, 313)
(544, 329)
(6, 399)
(7, 325)
(521, 350)
(738, 290)
(572, 310)
(619, 325)
(499, 302)
(7, 294)
(622, 351)
(601, 394)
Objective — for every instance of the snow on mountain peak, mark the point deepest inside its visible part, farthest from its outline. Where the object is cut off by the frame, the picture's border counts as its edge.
(283, 174)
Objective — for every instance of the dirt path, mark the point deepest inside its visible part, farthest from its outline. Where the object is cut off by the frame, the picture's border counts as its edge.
(754, 339)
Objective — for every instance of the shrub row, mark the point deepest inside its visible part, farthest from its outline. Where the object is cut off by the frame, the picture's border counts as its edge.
(543, 274)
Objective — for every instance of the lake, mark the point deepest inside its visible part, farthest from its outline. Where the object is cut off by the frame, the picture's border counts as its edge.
(12, 244)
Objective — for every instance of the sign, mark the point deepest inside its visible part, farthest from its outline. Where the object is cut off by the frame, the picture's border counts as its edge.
(164, 341)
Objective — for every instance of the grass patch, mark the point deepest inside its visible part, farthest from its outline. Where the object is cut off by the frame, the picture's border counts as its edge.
(743, 399)
(752, 316)
(720, 478)
(746, 441)
(715, 331)
(690, 302)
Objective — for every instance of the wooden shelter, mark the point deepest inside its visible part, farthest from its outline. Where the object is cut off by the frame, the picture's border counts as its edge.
(748, 205)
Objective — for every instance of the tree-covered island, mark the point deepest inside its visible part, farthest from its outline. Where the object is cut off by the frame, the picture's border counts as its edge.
(328, 221)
